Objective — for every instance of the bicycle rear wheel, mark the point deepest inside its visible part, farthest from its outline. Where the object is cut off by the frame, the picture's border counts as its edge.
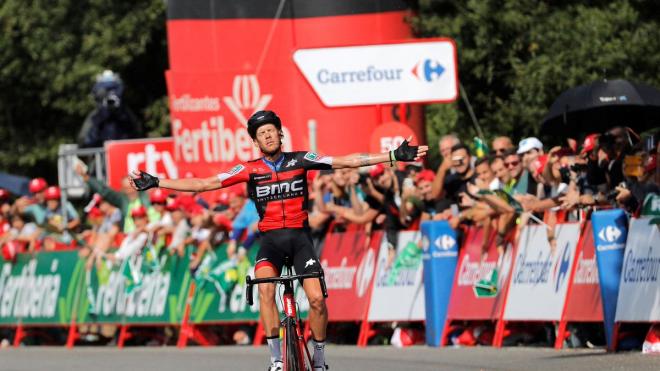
(292, 349)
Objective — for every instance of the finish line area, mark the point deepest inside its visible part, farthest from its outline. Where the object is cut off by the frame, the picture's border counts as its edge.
(340, 358)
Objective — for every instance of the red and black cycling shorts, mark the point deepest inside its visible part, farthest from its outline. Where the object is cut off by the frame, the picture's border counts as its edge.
(294, 243)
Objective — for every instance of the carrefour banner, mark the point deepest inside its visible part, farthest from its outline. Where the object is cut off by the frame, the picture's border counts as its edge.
(610, 229)
(349, 263)
(399, 277)
(584, 303)
(540, 276)
(139, 290)
(639, 290)
(39, 289)
(481, 278)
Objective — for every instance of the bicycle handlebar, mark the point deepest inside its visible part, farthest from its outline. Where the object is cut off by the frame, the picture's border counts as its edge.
(249, 282)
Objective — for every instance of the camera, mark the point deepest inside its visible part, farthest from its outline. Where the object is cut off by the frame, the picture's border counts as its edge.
(565, 174)
(579, 167)
(611, 195)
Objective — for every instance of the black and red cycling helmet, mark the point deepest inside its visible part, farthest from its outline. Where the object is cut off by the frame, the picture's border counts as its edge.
(261, 118)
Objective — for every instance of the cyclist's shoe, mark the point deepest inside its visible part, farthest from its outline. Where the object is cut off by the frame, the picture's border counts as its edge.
(321, 368)
(276, 366)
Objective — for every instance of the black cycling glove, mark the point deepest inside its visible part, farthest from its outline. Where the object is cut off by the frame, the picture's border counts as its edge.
(405, 152)
(145, 181)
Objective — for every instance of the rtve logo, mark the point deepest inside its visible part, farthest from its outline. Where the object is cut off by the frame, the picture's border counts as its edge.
(428, 70)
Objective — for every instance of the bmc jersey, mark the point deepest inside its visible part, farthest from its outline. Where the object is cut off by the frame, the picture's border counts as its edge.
(278, 189)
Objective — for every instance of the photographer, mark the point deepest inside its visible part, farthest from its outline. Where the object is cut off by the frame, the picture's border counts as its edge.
(614, 145)
(639, 171)
(111, 119)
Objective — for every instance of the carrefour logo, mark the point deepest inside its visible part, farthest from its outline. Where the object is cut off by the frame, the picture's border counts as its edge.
(445, 242)
(428, 70)
(561, 268)
(610, 233)
(610, 237)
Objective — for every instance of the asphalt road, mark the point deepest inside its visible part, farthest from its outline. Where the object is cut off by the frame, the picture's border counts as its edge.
(340, 358)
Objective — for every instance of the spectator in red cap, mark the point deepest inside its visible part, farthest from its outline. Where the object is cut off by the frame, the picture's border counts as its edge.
(23, 231)
(160, 217)
(135, 240)
(61, 220)
(200, 234)
(104, 232)
(178, 229)
(35, 205)
(5, 210)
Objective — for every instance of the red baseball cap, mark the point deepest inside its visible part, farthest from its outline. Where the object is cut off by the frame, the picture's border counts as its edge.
(158, 196)
(540, 163)
(195, 210)
(221, 220)
(426, 174)
(223, 197)
(94, 212)
(53, 193)
(172, 204)
(138, 212)
(376, 171)
(37, 185)
(589, 143)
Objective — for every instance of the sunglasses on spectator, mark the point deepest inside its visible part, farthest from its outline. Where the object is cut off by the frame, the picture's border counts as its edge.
(512, 164)
(499, 150)
(458, 160)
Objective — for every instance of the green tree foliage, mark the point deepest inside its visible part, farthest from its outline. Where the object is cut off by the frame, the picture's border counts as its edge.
(50, 52)
(516, 56)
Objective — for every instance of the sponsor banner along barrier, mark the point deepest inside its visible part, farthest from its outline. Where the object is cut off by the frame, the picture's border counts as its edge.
(584, 302)
(639, 290)
(539, 280)
(610, 230)
(400, 278)
(39, 289)
(139, 291)
(480, 282)
(220, 290)
(440, 249)
(349, 263)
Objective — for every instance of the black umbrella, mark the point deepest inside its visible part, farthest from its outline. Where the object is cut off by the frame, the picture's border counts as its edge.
(596, 107)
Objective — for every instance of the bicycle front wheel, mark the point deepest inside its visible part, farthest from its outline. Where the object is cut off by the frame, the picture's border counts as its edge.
(292, 349)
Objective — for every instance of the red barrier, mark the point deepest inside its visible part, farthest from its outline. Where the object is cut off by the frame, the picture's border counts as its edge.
(583, 301)
(467, 303)
(349, 262)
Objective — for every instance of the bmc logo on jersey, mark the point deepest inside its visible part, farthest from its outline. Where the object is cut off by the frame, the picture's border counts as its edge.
(279, 189)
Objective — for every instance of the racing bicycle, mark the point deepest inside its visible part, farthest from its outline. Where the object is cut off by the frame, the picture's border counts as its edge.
(295, 348)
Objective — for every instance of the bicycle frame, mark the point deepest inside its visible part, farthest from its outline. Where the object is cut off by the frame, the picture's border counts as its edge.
(291, 320)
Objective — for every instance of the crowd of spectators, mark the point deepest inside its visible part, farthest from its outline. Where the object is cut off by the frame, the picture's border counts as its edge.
(508, 186)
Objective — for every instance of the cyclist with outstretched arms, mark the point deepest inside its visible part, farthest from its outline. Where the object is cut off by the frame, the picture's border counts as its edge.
(277, 183)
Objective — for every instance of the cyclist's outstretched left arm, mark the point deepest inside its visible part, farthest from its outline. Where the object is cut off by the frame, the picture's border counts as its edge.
(143, 181)
(404, 152)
